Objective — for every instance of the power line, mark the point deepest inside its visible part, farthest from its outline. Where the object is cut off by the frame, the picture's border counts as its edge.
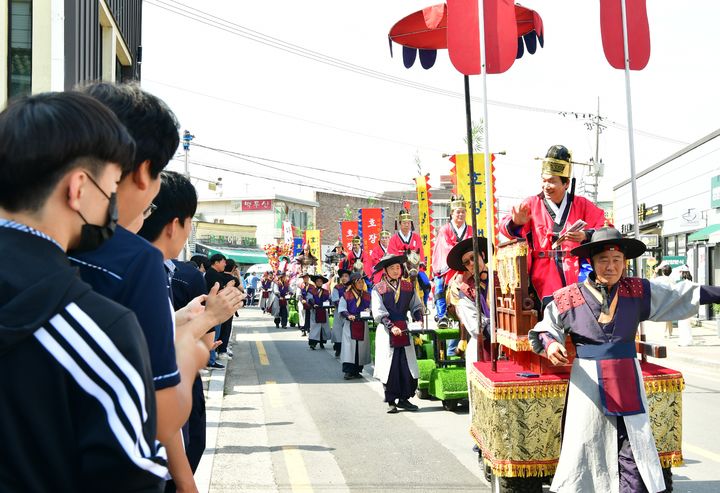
(256, 36)
(344, 173)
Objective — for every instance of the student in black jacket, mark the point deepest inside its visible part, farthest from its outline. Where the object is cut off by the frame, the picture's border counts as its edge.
(82, 416)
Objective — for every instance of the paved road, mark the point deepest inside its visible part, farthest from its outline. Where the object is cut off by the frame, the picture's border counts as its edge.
(289, 422)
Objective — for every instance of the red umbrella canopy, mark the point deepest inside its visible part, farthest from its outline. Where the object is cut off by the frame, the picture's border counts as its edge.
(426, 31)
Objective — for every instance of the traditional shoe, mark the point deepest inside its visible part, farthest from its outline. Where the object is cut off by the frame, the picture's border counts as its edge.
(406, 404)
(392, 409)
(443, 323)
(312, 347)
(337, 354)
(322, 346)
(348, 376)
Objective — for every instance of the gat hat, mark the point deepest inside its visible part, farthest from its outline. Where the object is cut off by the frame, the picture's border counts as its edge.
(385, 234)
(319, 276)
(340, 272)
(354, 277)
(557, 162)
(605, 239)
(457, 203)
(389, 260)
(454, 258)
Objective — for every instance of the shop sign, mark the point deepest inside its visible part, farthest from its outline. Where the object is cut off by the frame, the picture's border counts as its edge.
(257, 205)
(626, 229)
(651, 241)
(715, 191)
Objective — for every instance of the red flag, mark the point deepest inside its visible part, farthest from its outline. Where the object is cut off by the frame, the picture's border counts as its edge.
(463, 35)
(371, 225)
(348, 230)
(612, 33)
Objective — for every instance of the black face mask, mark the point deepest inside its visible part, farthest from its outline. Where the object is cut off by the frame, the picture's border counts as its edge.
(93, 235)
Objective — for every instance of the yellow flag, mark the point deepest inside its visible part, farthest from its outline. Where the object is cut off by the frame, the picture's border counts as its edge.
(312, 237)
(482, 204)
(425, 217)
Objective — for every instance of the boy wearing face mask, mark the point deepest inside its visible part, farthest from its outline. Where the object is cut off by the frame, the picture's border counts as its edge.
(92, 411)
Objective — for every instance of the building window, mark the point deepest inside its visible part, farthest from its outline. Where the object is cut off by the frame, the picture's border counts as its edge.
(299, 218)
(441, 215)
(681, 245)
(19, 48)
(670, 246)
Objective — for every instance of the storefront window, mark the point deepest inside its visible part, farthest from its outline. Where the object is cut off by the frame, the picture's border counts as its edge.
(20, 48)
(670, 246)
(681, 245)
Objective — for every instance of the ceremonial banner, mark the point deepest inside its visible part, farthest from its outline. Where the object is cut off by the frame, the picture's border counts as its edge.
(461, 178)
(312, 237)
(287, 231)
(425, 217)
(297, 246)
(348, 230)
(371, 221)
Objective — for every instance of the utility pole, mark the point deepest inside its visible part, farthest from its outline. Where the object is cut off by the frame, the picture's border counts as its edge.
(186, 138)
(591, 181)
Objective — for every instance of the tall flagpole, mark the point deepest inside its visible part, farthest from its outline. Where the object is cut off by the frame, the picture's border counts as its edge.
(631, 144)
(489, 202)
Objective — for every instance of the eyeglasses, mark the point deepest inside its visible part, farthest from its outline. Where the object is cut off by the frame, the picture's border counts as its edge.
(150, 209)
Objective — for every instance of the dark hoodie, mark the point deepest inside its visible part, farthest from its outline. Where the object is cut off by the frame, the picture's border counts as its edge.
(75, 412)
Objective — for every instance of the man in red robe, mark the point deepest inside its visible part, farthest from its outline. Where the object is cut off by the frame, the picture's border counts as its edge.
(447, 237)
(358, 259)
(405, 239)
(544, 219)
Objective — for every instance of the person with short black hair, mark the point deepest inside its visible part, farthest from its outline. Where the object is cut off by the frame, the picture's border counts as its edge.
(201, 262)
(129, 270)
(168, 229)
(82, 415)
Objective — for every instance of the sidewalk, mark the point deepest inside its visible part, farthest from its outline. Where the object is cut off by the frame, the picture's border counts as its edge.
(705, 350)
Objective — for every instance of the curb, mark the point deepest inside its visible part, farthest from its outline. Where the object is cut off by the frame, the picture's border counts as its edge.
(213, 404)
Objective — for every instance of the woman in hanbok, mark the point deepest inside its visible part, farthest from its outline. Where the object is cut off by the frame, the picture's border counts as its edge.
(395, 361)
(354, 311)
(301, 294)
(281, 293)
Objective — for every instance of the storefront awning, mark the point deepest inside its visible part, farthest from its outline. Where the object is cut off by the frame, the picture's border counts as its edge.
(239, 255)
(704, 234)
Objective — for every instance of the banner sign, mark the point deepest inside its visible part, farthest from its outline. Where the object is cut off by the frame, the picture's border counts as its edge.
(425, 217)
(312, 237)
(297, 246)
(287, 231)
(461, 175)
(371, 221)
(348, 230)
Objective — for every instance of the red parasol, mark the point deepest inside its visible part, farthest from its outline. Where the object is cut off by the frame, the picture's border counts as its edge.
(516, 29)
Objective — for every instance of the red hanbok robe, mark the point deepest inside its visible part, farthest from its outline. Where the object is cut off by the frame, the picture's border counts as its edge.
(398, 245)
(551, 269)
(378, 253)
(444, 241)
(353, 257)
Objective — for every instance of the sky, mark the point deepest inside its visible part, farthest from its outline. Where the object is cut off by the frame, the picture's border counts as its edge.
(236, 91)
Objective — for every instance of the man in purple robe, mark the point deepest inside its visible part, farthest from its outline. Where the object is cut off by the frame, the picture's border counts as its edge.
(608, 443)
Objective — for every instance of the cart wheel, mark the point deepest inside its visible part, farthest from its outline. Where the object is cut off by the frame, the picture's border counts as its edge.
(450, 404)
(516, 485)
(667, 476)
(422, 394)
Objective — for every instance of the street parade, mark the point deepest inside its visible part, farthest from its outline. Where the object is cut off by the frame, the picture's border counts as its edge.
(510, 317)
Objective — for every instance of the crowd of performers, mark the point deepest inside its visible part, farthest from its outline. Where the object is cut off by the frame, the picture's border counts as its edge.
(577, 268)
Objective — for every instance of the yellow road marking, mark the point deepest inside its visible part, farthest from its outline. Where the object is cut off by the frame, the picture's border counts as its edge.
(701, 452)
(297, 473)
(262, 355)
(273, 393)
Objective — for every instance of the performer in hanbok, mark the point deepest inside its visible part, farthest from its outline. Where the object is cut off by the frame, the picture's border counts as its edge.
(319, 325)
(302, 290)
(406, 238)
(379, 253)
(447, 237)
(461, 259)
(334, 257)
(336, 294)
(395, 362)
(544, 219)
(265, 291)
(354, 303)
(358, 259)
(608, 443)
(281, 293)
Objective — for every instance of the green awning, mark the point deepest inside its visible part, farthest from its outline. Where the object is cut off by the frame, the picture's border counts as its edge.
(704, 234)
(239, 255)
